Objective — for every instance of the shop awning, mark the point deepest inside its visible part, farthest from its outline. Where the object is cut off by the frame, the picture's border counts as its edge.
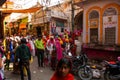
(23, 25)
(30, 10)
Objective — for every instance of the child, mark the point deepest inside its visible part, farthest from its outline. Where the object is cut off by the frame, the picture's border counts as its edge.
(63, 70)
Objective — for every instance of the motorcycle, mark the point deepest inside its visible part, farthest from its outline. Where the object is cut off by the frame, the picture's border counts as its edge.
(80, 67)
(84, 70)
(85, 73)
(112, 71)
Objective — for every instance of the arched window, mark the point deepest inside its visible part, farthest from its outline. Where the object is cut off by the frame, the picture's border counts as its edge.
(94, 19)
(94, 14)
(110, 11)
(109, 25)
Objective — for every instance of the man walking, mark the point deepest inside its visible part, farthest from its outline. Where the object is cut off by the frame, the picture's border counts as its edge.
(40, 50)
(23, 56)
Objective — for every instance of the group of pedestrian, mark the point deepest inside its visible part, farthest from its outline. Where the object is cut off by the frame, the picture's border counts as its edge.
(49, 50)
(19, 51)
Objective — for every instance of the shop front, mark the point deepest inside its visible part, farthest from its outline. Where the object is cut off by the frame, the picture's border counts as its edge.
(23, 26)
(57, 25)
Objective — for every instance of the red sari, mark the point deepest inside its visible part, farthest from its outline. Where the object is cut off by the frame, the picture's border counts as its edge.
(67, 77)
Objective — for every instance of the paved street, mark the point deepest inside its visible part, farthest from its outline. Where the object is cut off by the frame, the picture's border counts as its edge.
(37, 74)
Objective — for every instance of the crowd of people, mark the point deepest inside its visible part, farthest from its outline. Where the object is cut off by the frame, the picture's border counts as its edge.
(49, 49)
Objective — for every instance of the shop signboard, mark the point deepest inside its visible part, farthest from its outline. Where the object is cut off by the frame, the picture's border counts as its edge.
(94, 23)
(110, 21)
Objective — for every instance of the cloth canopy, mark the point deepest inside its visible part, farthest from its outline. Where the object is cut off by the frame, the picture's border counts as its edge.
(30, 10)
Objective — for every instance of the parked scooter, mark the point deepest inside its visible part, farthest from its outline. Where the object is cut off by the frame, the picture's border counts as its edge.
(112, 70)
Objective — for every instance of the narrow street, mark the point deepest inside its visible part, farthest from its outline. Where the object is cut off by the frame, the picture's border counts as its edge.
(69, 26)
(37, 74)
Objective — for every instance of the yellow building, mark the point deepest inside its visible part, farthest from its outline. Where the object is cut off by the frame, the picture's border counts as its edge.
(101, 25)
(101, 21)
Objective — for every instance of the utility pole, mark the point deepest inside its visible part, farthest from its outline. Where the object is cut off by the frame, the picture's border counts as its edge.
(72, 14)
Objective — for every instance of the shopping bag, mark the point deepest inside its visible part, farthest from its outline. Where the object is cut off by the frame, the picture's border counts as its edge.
(31, 59)
(25, 71)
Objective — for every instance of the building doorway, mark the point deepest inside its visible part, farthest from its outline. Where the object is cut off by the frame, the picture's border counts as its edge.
(79, 21)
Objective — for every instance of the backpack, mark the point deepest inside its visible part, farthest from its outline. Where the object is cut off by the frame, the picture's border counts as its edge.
(24, 53)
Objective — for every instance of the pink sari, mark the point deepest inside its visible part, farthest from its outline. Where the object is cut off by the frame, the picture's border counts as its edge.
(58, 50)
